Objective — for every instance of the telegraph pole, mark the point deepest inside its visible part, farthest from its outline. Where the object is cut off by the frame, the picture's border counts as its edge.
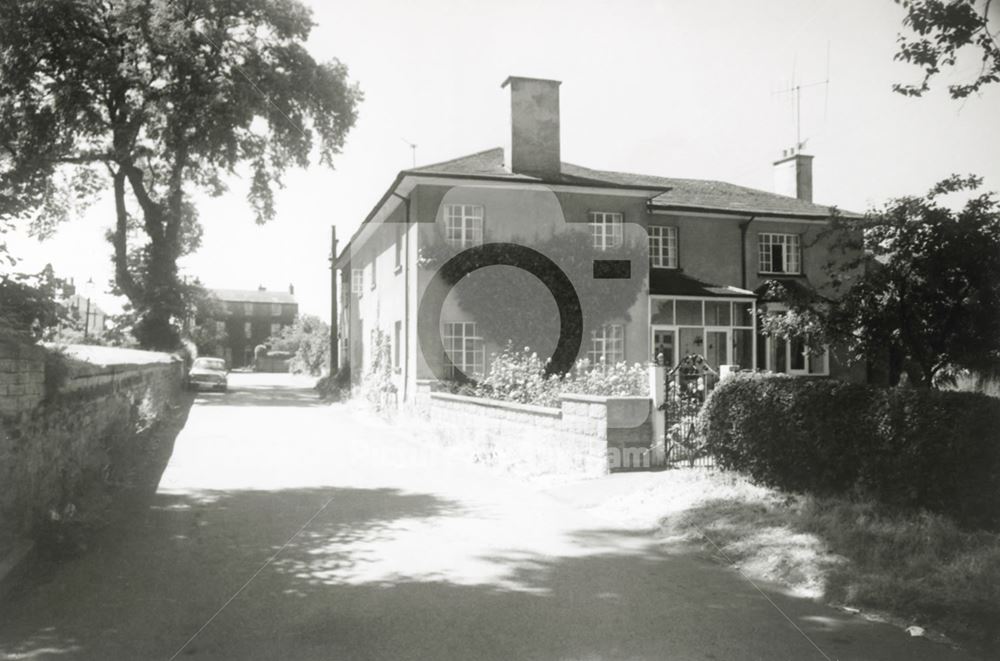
(334, 335)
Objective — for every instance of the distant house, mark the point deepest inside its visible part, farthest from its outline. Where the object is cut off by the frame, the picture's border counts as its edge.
(250, 317)
(84, 310)
(709, 250)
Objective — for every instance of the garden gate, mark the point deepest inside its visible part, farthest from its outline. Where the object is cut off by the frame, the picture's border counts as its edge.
(686, 387)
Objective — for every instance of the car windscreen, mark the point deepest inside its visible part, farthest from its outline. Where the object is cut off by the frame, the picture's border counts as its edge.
(210, 364)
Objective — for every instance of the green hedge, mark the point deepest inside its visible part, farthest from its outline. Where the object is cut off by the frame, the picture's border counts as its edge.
(907, 448)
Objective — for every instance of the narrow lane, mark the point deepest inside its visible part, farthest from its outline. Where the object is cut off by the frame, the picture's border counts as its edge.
(285, 529)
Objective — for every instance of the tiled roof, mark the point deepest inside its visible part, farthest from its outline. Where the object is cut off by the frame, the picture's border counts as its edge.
(679, 194)
(670, 282)
(252, 296)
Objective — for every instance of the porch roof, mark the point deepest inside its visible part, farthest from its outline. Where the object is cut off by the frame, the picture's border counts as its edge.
(671, 282)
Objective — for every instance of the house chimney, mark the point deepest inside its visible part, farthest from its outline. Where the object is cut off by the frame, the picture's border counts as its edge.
(793, 175)
(291, 289)
(261, 288)
(533, 140)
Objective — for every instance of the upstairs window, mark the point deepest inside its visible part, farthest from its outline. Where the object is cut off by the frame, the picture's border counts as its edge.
(246, 329)
(275, 309)
(606, 230)
(463, 225)
(357, 280)
(248, 309)
(779, 253)
(607, 345)
(663, 247)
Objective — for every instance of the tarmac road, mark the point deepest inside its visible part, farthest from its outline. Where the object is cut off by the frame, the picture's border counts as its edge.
(285, 529)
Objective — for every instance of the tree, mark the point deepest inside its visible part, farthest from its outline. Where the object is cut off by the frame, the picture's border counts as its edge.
(29, 303)
(942, 29)
(927, 302)
(209, 336)
(309, 339)
(154, 99)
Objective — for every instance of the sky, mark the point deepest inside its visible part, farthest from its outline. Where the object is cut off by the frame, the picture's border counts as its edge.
(675, 88)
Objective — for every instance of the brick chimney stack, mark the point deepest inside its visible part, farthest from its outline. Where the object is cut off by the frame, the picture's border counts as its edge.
(533, 137)
(291, 289)
(793, 175)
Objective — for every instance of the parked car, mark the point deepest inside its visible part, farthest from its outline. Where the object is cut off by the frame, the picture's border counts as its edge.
(208, 373)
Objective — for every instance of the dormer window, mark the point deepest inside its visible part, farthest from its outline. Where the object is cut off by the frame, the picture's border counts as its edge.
(463, 225)
(606, 230)
(779, 253)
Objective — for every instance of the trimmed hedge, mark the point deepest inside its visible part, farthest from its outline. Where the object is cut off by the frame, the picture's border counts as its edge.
(907, 448)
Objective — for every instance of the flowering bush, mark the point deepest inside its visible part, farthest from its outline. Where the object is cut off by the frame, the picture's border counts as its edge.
(519, 376)
(377, 385)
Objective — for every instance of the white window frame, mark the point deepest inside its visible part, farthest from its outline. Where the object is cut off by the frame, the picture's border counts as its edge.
(607, 229)
(607, 345)
(220, 327)
(357, 281)
(806, 371)
(791, 254)
(463, 224)
(734, 323)
(373, 280)
(247, 330)
(248, 309)
(662, 247)
(462, 341)
(275, 328)
(275, 309)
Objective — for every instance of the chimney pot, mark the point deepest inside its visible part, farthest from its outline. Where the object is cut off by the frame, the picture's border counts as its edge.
(533, 135)
(291, 289)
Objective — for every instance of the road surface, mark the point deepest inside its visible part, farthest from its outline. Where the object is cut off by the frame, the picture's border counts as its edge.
(286, 529)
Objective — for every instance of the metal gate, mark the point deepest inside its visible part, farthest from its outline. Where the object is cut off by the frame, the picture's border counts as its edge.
(687, 385)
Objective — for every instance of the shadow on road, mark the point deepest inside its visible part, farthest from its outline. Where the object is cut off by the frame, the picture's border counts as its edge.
(366, 579)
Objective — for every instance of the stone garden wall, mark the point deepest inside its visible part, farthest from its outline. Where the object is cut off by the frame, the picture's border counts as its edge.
(66, 417)
(586, 435)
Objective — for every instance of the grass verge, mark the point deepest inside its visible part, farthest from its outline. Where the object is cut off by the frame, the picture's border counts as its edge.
(915, 567)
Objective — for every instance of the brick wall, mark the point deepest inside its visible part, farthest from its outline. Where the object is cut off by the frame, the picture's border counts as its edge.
(586, 435)
(57, 445)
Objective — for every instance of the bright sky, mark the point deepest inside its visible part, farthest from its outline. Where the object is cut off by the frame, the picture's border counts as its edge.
(671, 87)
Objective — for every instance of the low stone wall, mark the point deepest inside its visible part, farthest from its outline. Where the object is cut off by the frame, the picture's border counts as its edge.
(586, 435)
(65, 419)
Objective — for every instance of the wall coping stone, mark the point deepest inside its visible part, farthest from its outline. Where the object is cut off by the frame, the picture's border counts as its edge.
(499, 404)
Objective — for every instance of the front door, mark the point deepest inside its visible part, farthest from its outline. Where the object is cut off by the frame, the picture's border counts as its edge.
(717, 348)
(665, 342)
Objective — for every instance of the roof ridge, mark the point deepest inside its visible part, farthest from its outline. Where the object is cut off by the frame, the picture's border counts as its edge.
(454, 160)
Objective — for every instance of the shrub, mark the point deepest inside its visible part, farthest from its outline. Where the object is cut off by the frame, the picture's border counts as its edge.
(905, 448)
(519, 376)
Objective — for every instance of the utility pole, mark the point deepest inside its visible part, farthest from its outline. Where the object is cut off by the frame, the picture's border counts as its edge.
(334, 335)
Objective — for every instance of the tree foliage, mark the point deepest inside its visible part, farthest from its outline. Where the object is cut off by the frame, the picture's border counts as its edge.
(154, 99)
(309, 340)
(927, 301)
(29, 303)
(941, 29)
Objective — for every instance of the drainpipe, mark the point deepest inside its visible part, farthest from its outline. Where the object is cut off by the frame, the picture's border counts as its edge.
(744, 227)
(743, 250)
(406, 292)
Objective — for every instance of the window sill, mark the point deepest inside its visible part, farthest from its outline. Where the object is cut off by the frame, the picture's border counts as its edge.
(782, 273)
(666, 268)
